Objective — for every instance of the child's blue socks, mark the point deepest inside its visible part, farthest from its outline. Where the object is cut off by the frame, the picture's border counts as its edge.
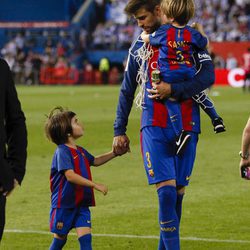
(85, 242)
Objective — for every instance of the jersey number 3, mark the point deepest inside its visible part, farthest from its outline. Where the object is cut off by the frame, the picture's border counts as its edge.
(149, 165)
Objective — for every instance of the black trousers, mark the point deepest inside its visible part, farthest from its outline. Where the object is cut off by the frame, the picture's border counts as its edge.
(2, 214)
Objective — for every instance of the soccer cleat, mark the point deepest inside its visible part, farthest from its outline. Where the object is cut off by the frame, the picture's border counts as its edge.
(218, 125)
(182, 141)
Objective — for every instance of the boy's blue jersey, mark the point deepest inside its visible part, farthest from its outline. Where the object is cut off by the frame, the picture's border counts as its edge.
(154, 113)
(204, 78)
(176, 46)
(63, 193)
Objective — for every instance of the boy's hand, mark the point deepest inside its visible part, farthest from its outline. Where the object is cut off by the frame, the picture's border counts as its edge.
(145, 37)
(121, 144)
(199, 27)
(143, 34)
(102, 188)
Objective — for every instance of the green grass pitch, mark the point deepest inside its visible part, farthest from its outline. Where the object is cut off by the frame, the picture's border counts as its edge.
(216, 205)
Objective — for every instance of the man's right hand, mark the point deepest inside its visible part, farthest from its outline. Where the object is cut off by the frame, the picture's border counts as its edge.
(121, 144)
(160, 91)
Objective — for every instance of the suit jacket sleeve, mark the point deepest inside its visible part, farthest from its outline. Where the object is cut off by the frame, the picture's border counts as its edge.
(16, 133)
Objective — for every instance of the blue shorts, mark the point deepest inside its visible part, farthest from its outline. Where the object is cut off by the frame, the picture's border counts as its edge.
(62, 220)
(160, 161)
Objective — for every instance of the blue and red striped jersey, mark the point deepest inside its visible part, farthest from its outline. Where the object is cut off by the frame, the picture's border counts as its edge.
(65, 194)
(154, 113)
(176, 47)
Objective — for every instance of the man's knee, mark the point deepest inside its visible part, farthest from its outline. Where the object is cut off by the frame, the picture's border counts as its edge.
(180, 190)
(166, 183)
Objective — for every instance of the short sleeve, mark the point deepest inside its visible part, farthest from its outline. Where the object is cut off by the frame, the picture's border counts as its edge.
(64, 159)
(89, 156)
(158, 38)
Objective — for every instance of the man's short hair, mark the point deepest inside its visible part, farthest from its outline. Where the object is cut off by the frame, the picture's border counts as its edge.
(58, 126)
(134, 5)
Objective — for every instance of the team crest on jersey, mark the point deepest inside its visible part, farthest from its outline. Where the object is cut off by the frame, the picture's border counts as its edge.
(151, 172)
(59, 225)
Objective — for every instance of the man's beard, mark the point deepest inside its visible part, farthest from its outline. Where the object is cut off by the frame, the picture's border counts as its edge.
(151, 29)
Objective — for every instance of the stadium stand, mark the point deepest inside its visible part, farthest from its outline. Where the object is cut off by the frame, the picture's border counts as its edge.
(225, 20)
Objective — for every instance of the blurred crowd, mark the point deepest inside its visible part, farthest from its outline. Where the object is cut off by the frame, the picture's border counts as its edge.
(27, 53)
(31, 52)
(229, 63)
(114, 30)
(59, 59)
(225, 20)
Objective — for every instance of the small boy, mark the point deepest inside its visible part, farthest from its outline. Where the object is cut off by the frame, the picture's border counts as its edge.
(177, 41)
(70, 180)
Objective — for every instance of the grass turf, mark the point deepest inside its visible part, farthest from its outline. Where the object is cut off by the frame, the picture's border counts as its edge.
(216, 204)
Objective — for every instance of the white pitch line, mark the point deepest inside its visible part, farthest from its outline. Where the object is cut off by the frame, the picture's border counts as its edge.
(131, 236)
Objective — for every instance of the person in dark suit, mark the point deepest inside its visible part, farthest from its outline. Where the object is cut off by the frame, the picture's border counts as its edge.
(13, 139)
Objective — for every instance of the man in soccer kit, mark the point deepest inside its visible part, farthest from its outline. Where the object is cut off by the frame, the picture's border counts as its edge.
(169, 173)
(176, 42)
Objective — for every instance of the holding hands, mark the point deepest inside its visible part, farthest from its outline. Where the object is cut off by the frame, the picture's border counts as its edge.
(121, 145)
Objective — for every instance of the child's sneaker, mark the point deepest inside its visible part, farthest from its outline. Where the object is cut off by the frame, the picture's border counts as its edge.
(181, 142)
(218, 125)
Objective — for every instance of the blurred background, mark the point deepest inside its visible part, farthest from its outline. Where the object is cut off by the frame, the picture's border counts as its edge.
(86, 41)
(82, 45)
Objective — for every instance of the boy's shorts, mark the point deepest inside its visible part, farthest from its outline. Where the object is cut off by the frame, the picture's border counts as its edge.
(160, 162)
(62, 220)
